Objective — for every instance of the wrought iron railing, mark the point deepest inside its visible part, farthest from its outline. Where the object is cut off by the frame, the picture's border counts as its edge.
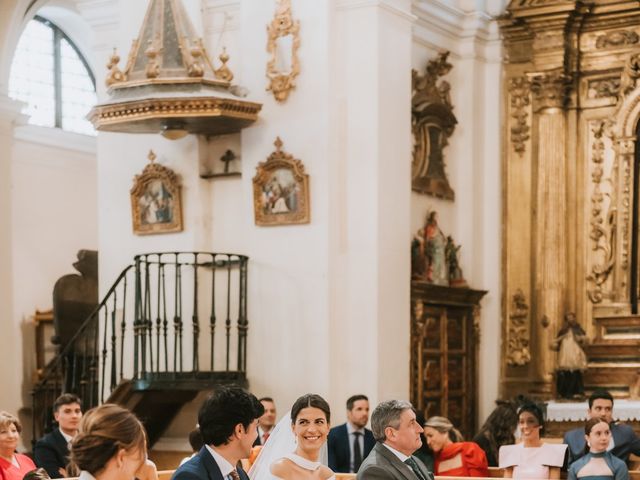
(155, 331)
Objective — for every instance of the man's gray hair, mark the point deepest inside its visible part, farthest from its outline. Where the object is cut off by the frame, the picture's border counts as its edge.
(387, 414)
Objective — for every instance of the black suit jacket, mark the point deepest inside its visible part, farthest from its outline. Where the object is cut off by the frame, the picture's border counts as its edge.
(382, 464)
(624, 438)
(202, 467)
(51, 453)
(339, 450)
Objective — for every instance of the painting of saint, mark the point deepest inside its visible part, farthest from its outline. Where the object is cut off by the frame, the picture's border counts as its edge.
(156, 204)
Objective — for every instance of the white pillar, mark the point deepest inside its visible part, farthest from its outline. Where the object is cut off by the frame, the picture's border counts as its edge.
(11, 352)
(370, 200)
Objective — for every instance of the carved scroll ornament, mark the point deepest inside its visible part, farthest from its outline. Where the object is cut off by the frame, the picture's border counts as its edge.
(630, 74)
(518, 352)
(603, 223)
(283, 66)
(550, 89)
(617, 39)
(519, 90)
(432, 123)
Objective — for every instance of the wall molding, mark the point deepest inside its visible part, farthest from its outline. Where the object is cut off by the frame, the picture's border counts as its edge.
(387, 5)
(56, 138)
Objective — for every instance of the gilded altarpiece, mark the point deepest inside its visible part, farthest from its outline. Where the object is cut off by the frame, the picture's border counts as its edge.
(571, 109)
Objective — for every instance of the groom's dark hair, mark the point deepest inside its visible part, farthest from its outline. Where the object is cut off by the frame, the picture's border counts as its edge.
(223, 410)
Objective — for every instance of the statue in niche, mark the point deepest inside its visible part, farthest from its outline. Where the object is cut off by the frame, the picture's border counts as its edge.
(572, 360)
(429, 253)
(456, 279)
(432, 123)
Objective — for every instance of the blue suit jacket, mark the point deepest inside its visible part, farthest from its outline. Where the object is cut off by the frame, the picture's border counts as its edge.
(51, 453)
(202, 467)
(339, 450)
(624, 439)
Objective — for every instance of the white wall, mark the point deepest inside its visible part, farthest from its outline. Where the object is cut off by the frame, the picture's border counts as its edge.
(472, 158)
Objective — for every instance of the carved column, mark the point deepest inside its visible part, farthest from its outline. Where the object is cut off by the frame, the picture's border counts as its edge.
(549, 221)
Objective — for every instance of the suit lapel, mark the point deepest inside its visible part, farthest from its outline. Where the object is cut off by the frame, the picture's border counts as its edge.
(402, 468)
(346, 450)
(210, 465)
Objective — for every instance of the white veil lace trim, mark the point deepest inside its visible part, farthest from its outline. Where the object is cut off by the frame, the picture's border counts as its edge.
(281, 442)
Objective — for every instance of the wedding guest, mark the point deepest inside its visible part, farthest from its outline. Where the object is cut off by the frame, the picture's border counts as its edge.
(453, 457)
(351, 442)
(52, 451)
(111, 445)
(37, 474)
(497, 430)
(598, 463)
(196, 443)
(623, 442)
(267, 421)
(13, 465)
(424, 453)
(397, 435)
(228, 421)
(531, 458)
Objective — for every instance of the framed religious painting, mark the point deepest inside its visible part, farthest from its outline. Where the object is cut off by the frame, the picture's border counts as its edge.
(156, 204)
(281, 190)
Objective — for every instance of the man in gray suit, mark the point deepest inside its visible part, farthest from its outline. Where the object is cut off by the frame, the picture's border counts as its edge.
(624, 441)
(398, 436)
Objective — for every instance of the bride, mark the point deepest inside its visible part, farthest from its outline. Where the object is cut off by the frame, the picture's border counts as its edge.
(294, 448)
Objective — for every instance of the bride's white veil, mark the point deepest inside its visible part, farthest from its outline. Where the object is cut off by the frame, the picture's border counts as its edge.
(281, 442)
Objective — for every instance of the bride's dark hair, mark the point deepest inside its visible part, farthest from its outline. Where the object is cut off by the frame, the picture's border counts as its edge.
(310, 400)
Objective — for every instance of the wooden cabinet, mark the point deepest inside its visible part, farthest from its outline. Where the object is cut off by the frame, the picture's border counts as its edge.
(444, 360)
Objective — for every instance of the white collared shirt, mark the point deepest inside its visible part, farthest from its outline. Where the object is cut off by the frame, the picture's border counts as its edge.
(350, 431)
(261, 433)
(223, 464)
(67, 438)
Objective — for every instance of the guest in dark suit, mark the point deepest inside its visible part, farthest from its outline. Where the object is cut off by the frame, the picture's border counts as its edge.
(624, 441)
(52, 451)
(267, 421)
(351, 442)
(397, 433)
(228, 421)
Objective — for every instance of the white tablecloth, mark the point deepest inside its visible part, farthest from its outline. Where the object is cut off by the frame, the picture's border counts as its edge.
(624, 410)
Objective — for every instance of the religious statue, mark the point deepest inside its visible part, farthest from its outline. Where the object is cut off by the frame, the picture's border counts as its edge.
(572, 360)
(456, 279)
(428, 253)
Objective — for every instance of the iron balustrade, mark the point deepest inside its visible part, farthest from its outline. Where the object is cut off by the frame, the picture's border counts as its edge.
(152, 334)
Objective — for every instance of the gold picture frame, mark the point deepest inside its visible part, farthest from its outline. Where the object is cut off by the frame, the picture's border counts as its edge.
(281, 190)
(156, 203)
(282, 45)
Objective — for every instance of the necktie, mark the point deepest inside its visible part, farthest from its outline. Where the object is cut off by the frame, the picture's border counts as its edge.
(265, 436)
(357, 453)
(414, 466)
(233, 475)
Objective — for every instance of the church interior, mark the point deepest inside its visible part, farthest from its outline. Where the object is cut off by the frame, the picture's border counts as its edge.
(457, 183)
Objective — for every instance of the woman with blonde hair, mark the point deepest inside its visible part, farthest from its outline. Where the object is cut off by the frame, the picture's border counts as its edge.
(13, 466)
(453, 457)
(111, 445)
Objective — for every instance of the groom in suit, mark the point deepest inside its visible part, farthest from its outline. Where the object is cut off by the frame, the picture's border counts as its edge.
(623, 442)
(228, 421)
(350, 443)
(397, 433)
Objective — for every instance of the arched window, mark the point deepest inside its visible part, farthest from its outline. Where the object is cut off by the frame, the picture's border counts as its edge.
(50, 74)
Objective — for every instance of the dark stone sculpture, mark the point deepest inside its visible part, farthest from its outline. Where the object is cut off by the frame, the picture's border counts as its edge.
(75, 297)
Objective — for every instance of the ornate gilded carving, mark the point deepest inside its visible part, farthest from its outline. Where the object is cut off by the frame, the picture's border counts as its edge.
(283, 67)
(519, 91)
(115, 74)
(223, 73)
(432, 123)
(550, 89)
(518, 352)
(617, 38)
(630, 74)
(602, 221)
(603, 88)
(625, 149)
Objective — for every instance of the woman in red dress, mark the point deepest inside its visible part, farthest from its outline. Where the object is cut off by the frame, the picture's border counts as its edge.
(13, 466)
(453, 457)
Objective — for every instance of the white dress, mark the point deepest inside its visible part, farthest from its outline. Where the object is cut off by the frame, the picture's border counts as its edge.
(532, 462)
(304, 463)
